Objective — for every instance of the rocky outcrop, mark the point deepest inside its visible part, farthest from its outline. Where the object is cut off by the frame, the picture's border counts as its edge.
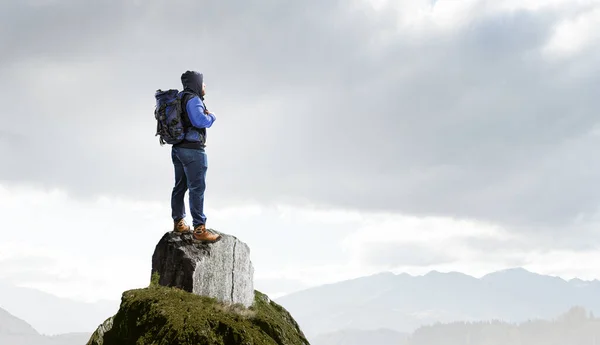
(221, 270)
(98, 336)
(199, 294)
(166, 315)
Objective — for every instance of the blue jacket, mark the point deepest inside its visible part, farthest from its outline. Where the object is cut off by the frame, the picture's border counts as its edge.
(198, 119)
(195, 136)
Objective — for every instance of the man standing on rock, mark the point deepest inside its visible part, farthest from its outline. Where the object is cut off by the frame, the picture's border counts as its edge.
(190, 161)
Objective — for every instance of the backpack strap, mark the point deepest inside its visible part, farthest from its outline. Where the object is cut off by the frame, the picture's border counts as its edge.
(185, 97)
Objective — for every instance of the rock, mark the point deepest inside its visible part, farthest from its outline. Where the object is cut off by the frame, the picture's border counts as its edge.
(97, 337)
(168, 315)
(221, 270)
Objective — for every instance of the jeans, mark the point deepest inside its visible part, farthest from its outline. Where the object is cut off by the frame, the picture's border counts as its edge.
(190, 173)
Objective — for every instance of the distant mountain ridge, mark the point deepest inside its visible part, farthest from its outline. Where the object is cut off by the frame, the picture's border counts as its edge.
(574, 327)
(10, 324)
(14, 331)
(39, 309)
(403, 302)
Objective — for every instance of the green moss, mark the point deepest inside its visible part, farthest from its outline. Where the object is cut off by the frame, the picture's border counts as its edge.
(160, 315)
(154, 281)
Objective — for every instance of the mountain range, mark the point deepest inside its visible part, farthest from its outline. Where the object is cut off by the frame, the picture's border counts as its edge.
(51, 315)
(14, 331)
(403, 303)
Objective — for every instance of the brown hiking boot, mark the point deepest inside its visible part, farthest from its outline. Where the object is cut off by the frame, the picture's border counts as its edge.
(201, 234)
(181, 226)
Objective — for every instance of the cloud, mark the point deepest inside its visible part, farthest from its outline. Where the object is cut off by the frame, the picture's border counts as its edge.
(99, 248)
(393, 255)
(430, 109)
(389, 242)
(572, 35)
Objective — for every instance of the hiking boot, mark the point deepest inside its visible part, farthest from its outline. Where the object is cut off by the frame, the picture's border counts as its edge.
(181, 226)
(201, 234)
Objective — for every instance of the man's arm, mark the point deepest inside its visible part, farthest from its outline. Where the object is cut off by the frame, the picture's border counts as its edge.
(198, 118)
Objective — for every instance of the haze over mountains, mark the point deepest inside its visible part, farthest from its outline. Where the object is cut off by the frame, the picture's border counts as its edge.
(52, 315)
(357, 337)
(14, 331)
(403, 302)
(577, 326)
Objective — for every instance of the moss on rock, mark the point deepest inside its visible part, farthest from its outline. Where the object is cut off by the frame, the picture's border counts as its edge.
(97, 337)
(160, 315)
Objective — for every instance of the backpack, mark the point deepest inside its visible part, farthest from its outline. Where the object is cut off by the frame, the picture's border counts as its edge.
(169, 113)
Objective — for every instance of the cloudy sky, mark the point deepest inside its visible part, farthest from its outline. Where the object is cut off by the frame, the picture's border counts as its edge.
(351, 137)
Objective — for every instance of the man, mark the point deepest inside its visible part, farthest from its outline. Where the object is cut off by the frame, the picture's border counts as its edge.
(190, 161)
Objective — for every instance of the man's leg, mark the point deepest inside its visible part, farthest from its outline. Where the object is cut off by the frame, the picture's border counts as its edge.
(195, 166)
(196, 172)
(178, 194)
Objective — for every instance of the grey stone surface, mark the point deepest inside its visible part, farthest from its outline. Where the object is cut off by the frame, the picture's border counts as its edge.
(98, 336)
(221, 270)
